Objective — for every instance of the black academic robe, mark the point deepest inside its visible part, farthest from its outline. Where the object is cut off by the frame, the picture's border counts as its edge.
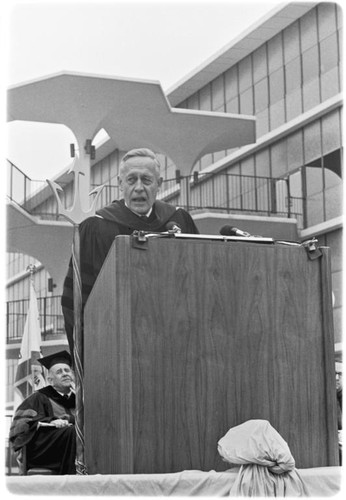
(339, 408)
(96, 237)
(49, 447)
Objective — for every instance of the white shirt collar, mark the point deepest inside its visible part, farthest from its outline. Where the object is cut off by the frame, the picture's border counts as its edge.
(140, 215)
(68, 394)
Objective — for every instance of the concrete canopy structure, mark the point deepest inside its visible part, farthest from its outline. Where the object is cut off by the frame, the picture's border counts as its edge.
(26, 234)
(134, 113)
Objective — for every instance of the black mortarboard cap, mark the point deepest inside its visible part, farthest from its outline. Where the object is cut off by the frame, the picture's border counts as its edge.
(57, 357)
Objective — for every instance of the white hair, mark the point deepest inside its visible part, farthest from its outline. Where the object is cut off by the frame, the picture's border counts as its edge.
(142, 152)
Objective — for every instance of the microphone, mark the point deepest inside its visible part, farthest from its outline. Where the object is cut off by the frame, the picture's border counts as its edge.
(173, 227)
(233, 231)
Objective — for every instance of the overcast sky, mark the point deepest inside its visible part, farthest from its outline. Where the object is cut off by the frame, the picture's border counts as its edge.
(154, 40)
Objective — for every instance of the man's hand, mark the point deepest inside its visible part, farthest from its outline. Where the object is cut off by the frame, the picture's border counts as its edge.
(59, 422)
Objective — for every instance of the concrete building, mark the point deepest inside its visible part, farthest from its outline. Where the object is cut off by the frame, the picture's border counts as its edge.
(282, 179)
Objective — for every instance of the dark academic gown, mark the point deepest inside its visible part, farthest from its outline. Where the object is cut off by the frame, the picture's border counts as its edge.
(339, 414)
(49, 447)
(339, 408)
(96, 237)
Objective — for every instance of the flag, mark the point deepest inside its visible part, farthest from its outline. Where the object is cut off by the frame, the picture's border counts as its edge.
(29, 376)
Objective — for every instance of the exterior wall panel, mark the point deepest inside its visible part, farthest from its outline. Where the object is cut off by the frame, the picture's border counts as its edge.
(308, 30)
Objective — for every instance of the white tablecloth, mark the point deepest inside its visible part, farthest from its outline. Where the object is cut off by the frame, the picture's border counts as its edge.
(319, 482)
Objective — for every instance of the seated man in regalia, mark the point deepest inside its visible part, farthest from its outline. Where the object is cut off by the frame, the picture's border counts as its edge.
(44, 422)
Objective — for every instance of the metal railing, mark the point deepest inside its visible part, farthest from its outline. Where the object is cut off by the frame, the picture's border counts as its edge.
(225, 192)
(230, 193)
(237, 193)
(30, 194)
(51, 318)
(19, 186)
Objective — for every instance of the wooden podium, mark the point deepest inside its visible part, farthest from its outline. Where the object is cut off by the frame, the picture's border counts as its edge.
(186, 338)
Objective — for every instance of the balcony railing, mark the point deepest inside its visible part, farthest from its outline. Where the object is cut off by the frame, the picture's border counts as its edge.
(232, 193)
(34, 196)
(225, 192)
(51, 318)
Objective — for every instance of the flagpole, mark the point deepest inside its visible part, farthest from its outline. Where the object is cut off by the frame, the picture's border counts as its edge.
(32, 270)
(75, 215)
(78, 352)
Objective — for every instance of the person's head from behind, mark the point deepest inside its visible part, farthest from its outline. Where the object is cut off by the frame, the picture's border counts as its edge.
(60, 374)
(338, 375)
(139, 179)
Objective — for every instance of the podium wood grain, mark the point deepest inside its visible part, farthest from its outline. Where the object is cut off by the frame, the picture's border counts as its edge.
(188, 338)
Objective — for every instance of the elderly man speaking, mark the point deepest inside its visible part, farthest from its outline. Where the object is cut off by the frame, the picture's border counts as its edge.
(139, 180)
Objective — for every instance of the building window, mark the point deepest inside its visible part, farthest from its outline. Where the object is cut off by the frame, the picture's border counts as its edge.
(308, 30)
(231, 84)
(276, 86)
(326, 14)
(329, 53)
(291, 42)
(217, 94)
(259, 63)
(246, 102)
(275, 53)
(261, 95)
(311, 67)
(245, 74)
(293, 75)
